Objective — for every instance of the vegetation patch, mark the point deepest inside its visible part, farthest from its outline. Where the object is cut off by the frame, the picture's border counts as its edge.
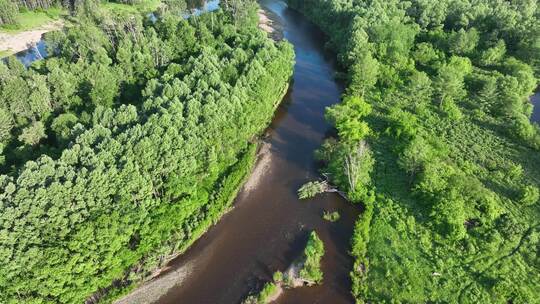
(5, 53)
(331, 216)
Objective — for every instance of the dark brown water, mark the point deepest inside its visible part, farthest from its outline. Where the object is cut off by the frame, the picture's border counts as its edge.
(268, 227)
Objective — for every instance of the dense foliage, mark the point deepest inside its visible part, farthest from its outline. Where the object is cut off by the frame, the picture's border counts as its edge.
(126, 145)
(434, 138)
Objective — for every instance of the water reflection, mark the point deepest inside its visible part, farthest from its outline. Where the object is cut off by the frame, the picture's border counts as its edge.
(35, 52)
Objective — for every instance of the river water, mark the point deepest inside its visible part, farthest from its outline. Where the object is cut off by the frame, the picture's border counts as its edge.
(36, 52)
(535, 99)
(268, 227)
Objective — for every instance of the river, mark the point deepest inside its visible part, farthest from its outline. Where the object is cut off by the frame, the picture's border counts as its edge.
(268, 227)
(535, 99)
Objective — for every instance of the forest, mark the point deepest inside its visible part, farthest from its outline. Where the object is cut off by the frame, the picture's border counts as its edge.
(118, 151)
(433, 137)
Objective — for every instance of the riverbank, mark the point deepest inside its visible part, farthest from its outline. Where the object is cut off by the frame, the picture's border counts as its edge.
(163, 279)
(270, 23)
(265, 23)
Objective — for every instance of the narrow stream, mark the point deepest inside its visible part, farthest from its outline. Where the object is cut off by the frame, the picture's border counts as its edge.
(268, 227)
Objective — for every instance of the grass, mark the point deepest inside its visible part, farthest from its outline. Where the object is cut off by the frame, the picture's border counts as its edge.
(5, 53)
(143, 6)
(33, 19)
(313, 253)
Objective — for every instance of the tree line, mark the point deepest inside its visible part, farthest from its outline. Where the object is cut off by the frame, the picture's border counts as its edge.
(124, 146)
(434, 138)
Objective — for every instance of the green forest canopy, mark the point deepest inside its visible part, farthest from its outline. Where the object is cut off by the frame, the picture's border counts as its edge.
(434, 139)
(119, 151)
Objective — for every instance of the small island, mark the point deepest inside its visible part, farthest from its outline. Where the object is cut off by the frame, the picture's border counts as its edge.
(305, 271)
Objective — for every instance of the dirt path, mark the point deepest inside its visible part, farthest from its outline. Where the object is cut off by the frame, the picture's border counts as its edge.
(21, 41)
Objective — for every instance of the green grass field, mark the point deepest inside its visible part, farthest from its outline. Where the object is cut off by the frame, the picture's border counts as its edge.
(33, 19)
(5, 53)
(143, 6)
